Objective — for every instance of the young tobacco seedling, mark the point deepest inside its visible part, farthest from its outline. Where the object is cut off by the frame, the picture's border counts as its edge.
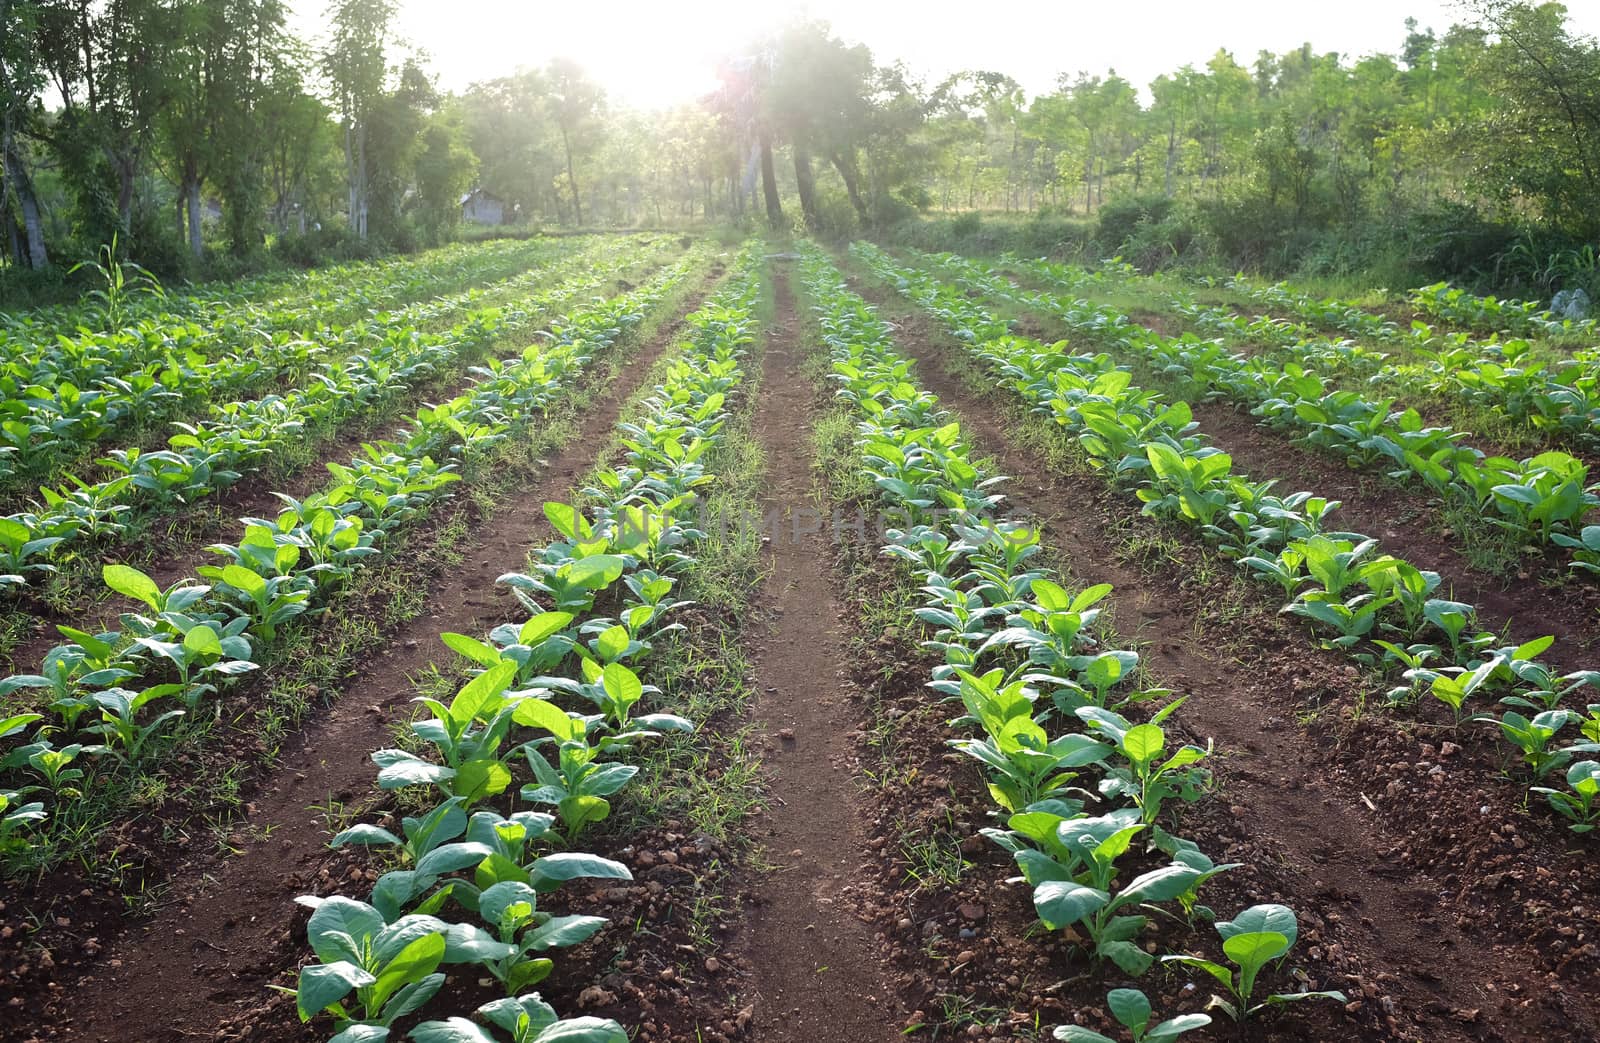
(1132, 1010)
(392, 968)
(1148, 780)
(528, 1019)
(1582, 805)
(1250, 941)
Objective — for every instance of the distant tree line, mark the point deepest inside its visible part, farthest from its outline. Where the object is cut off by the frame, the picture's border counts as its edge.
(190, 128)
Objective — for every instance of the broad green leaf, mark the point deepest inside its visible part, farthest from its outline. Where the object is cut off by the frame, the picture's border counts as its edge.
(481, 696)
(1254, 949)
(471, 648)
(337, 924)
(477, 779)
(130, 582)
(583, 1030)
(415, 962)
(455, 1030)
(1129, 1006)
(1144, 743)
(538, 713)
(542, 626)
(324, 984)
(622, 684)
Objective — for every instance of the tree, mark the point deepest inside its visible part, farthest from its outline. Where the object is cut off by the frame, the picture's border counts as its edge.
(21, 79)
(355, 65)
(575, 103)
(445, 168)
(1543, 141)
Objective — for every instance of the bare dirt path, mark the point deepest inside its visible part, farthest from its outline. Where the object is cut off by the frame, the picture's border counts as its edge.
(818, 975)
(230, 928)
(1394, 929)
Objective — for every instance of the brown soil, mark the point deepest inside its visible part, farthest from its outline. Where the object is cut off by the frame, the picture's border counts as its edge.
(228, 927)
(817, 974)
(1306, 808)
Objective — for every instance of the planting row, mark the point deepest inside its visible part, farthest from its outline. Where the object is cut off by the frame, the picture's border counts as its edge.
(104, 699)
(1542, 390)
(1558, 396)
(554, 705)
(61, 396)
(1542, 499)
(1043, 696)
(1376, 606)
(131, 296)
(240, 437)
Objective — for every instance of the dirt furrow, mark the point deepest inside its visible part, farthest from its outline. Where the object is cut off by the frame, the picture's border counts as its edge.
(1314, 839)
(818, 976)
(229, 928)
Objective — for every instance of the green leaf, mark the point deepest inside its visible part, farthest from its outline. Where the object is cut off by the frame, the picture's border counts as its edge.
(1133, 960)
(481, 696)
(583, 1030)
(1254, 949)
(203, 640)
(1063, 902)
(1172, 1028)
(324, 984)
(337, 927)
(564, 518)
(455, 1030)
(1079, 1034)
(612, 642)
(622, 684)
(563, 931)
(596, 572)
(1129, 1006)
(130, 582)
(243, 579)
(413, 963)
(542, 626)
(1268, 916)
(471, 648)
(538, 713)
(477, 779)
(1144, 743)
(360, 1033)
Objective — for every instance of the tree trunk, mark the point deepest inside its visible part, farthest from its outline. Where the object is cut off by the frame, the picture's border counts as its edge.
(191, 196)
(572, 179)
(769, 183)
(807, 186)
(852, 185)
(22, 187)
(15, 253)
(361, 181)
(1172, 159)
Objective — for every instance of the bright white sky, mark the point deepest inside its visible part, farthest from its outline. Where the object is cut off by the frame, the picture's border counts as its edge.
(651, 53)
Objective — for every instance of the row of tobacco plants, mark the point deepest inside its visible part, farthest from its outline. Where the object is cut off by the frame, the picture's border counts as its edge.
(397, 353)
(1377, 607)
(102, 704)
(507, 775)
(1082, 791)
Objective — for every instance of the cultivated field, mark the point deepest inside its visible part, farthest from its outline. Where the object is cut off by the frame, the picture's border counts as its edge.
(641, 637)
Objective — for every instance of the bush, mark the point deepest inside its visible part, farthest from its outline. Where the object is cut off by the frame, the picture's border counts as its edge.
(1116, 221)
(329, 245)
(1039, 234)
